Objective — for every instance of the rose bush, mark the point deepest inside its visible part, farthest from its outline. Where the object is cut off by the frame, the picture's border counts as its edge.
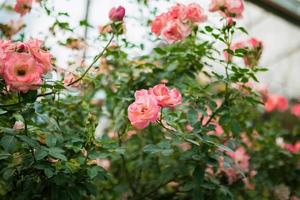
(185, 121)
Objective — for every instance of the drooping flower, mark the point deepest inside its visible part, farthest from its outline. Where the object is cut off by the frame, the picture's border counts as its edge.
(143, 111)
(23, 6)
(21, 72)
(165, 96)
(117, 13)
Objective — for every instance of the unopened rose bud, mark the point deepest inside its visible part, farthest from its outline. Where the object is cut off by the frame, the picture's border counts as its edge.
(19, 125)
(117, 14)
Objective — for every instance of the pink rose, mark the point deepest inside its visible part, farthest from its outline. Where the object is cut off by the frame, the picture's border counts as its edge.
(19, 125)
(139, 94)
(216, 5)
(175, 31)
(166, 97)
(276, 102)
(21, 72)
(41, 56)
(143, 111)
(293, 148)
(195, 13)
(228, 8)
(159, 23)
(117, 14)
(23, 6)
(240, 158)
(179, 11)
(295, 110)
(234, 7)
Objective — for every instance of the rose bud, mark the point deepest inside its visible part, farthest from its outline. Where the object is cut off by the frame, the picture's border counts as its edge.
(117, 14)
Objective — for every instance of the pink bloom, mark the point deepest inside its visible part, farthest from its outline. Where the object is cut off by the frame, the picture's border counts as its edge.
(295, 110)
(175, 31)
(234, 7)
(19, 125)
(41, 56)
(276, 102)
(104, 163)
(21, 72)
(159, 23)
(216, 5)
(292, 148)
(117, 14)
(240, 158)
(139, 94)
(23, 6)
(195, 13)
(166, 97)
(228, 8)
(143, 111)
(179, 11)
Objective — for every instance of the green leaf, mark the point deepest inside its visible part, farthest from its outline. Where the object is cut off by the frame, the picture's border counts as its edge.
(48, 172)
(94, 171)
(160, 51)
(151, 148)
(4, 155)
(208, 28)
(51, 140)
(40, 154)
(29, 96)
(57, 153)
(8, 173)
(8, 142)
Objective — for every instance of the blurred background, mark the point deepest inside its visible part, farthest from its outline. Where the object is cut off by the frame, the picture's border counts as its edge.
(275, 22)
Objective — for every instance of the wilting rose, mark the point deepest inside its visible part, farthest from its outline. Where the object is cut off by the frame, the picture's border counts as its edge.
(21, 72)
(23, 6)
(195, 13)
(143, 111)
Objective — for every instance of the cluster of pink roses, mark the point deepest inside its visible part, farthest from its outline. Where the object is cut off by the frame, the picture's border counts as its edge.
(254, 47)
(23, 6)
(148, 103)
(228, 8)
(22, 64)
(175, 24)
